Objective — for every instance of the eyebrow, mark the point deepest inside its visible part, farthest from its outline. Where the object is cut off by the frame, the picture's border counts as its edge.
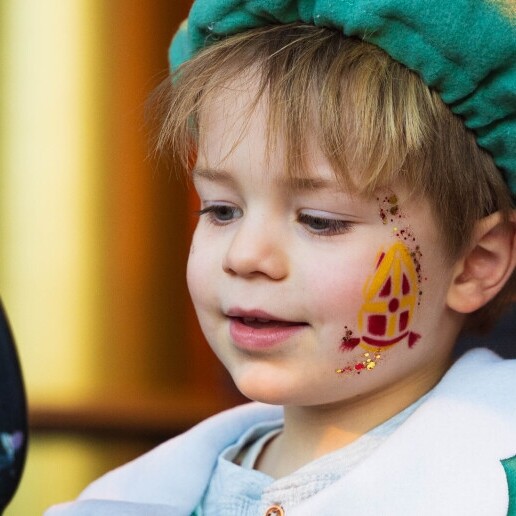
(210, 174)
(293, 183)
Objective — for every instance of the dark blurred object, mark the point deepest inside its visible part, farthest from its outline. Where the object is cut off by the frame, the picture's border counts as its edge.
(502, 339)
(13, 415)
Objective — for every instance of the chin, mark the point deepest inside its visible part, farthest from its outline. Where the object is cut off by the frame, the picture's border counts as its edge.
(265, 388)
(279, 393)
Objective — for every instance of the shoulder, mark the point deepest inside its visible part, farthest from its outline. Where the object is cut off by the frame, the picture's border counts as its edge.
(482, 375)
(176, 473)
(473, 414)
(455, 450)
(184, 458)
(480, 387)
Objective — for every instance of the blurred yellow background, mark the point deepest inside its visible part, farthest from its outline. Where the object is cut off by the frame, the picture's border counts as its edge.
(93, 242)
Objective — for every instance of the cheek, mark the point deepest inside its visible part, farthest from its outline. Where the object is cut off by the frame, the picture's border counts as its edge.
(197, 271)
(336, 291)
(192, 274)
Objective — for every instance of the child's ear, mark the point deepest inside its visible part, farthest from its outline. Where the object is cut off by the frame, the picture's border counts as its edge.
(484, 269)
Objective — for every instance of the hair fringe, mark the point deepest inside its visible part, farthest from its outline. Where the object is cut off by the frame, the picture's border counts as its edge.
(376, 122)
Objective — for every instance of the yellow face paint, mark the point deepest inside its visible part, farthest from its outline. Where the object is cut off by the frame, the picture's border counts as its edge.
(390, 294)
(390, 297)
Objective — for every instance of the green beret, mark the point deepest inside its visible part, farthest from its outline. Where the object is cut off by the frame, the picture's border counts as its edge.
(463, 49)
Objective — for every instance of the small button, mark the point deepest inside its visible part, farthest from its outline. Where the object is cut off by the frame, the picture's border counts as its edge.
(275, 510)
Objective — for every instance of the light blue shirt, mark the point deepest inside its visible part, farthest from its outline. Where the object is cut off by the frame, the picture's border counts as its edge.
(239, 489)
(450, 456)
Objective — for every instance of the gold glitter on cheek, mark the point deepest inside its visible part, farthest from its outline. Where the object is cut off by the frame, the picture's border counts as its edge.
(389, 208)
(390, 212)
(367, 364)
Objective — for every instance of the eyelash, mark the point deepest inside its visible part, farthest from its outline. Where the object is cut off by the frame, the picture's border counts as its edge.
(214, 213)
(330, 226)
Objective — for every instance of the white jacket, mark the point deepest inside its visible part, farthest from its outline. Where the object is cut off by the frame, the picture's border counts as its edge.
(444, 460)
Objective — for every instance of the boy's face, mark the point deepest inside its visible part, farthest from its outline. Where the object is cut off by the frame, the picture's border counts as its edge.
(310, 295)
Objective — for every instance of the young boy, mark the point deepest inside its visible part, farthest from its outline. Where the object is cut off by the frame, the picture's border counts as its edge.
(351, 226)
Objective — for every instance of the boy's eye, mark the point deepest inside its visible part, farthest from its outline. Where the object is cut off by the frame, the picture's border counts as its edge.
(324, 226)
(221, 213)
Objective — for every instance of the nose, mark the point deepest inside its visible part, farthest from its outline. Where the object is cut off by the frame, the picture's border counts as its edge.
(257, 248)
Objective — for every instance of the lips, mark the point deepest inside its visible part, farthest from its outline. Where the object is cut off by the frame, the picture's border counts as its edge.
(265, 323)
(258, 330)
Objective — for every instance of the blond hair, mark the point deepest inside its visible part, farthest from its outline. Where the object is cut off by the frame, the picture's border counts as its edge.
(376, 122)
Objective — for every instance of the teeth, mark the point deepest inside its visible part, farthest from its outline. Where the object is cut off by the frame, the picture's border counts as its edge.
(254, 319)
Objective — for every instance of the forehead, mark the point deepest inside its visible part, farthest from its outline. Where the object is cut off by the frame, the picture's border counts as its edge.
(235, 127)
(248, 119)
(232, 111)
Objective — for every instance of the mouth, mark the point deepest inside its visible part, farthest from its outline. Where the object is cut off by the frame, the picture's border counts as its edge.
(258, 330)
(260, 323)
(260, 319)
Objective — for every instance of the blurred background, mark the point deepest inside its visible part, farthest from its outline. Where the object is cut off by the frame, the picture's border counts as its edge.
(93, 243)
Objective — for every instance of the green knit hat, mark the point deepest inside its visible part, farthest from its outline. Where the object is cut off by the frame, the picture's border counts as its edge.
(463, 49)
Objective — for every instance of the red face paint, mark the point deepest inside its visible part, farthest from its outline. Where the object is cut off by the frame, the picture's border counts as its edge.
(403, 321)
(348, 341)
(386, 290)
(390, 296)
(377, 324)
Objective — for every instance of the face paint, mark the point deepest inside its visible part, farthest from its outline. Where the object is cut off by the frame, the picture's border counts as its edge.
(389, 208)
(391, 212)
(390, 295)
(348, 341)
(369, 362)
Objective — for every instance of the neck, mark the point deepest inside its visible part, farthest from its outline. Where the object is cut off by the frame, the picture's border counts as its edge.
(313, 431)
